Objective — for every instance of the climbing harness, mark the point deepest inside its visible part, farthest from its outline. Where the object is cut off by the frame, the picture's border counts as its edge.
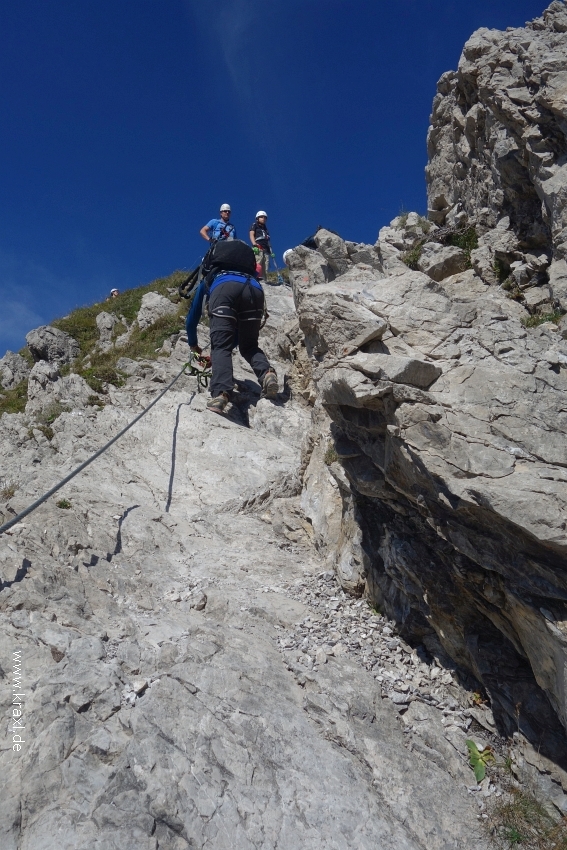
(86, 463)
(202, 372)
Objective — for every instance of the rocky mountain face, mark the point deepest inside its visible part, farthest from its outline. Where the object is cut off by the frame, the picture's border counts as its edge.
(190, 672)
(278, 628)
(441, 370)
(497, 149)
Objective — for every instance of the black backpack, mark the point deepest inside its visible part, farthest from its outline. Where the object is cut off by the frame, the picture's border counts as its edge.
(231, 256)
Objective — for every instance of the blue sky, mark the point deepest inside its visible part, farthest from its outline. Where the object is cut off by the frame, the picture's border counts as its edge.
(126, 123)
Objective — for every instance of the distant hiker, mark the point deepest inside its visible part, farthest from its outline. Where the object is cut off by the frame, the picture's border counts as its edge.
(236, 307)
(260, 239)
(219, 228)
(114, 293)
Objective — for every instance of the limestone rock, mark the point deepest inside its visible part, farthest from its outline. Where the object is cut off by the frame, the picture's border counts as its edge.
(46, 387)
(13, 370)
(497, 133)
(441, 261)
(535, 297)
(366, 254)
(430, 445)
(320, 497)
(51, 344)
(333, 323)
(334, 249)
(308, 268)
(392, 367)
(105, 323)
(196, 675)
(558, 282)
(154, 306)
(164, 599)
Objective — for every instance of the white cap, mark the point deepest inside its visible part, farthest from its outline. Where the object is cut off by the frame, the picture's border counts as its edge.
(261, 213)
(286, 255)
(225, 207)
(113, 290)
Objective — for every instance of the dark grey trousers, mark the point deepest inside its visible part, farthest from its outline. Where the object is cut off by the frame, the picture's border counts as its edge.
(235, 311)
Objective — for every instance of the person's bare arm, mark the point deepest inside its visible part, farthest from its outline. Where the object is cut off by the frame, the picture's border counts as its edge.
(204, 231)
(252, 239)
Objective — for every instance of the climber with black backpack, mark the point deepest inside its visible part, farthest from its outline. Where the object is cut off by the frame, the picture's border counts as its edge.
(236, 302)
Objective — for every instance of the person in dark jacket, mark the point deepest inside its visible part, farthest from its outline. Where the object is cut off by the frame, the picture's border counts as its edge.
(236, 308)
(260, 239)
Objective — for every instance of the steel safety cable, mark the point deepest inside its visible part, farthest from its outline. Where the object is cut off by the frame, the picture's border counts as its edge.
(86, 463)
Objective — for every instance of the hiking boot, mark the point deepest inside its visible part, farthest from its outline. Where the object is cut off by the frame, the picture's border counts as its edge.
(218, 404)
(270, 384)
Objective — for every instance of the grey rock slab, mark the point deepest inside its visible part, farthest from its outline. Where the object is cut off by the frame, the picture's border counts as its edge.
(537, 296)
(392, 367)
(558, 282)
(367, 255)
(441, 261)
(332, 322)
(154, 306)
(307, 268)
(474, 464)
(105, 323)
(161, 707)
(334, 249)
(46, 387)
(285, 423)
(52, 344)
(13, 370)
(486, 137)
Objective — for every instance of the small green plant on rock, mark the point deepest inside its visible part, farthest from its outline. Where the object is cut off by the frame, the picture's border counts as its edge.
(512, 289)
(331, 455)
(14, 400)
(95, 401)
(479, 759)
(46, 430)
(7, 488)
(520, 820)
(99, 368)
(424, 224)
(411, 257)
(534, 321)
(98, 376)
(467, 241)
(402, 217)
(273, 276)
(500, 270)
(47, 417)
(52, 412)
(64, 504)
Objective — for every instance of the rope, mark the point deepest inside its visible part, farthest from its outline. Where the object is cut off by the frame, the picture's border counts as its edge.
(86, 463)
(279, 278)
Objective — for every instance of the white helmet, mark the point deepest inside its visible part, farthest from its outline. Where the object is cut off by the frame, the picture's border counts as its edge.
(225, 208)
(261, 213)
(286, 255)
